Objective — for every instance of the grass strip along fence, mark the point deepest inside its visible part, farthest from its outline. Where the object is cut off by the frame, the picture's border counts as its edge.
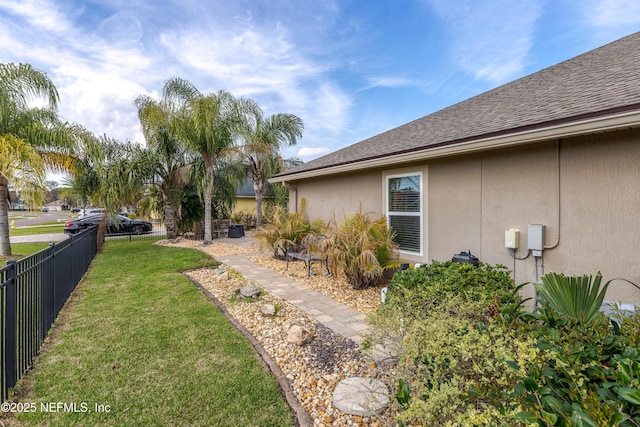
(33, 290)
(139, 344)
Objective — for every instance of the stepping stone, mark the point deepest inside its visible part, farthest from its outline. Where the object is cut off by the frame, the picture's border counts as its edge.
(361, 396)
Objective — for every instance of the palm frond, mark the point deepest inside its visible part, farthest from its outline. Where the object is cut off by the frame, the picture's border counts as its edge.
(579, 298)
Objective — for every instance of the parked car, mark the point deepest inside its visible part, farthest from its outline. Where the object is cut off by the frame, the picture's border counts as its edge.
(115, 225)
(75, 210)
(45, 209)
(91, 211)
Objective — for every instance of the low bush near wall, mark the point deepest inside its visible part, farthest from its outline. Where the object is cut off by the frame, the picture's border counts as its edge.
(588, 371)
(463, 360)
(437, 281)
(443, 322)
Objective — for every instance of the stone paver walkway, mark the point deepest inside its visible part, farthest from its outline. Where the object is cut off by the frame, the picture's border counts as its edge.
(342, 319)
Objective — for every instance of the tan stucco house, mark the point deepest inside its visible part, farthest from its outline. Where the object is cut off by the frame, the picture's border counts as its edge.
(558, 148)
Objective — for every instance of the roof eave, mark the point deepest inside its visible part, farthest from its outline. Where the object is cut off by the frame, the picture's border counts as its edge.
(611, 122)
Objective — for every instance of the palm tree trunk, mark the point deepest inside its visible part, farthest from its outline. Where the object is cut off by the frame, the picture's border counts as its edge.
(258, 188)
(5, 244)
(258, 209)
(169, 218)
(208, 194)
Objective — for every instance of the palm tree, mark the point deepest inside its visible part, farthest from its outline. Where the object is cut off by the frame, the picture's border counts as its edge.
(109, 175)
(209, 124)
(32, 140)
(262, 141)
(164, 158)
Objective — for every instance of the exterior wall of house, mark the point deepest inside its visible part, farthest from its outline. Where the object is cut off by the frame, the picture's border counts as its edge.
(339, 195)
(471, 200)
(600, 199)
(474, 199)
(245, 204)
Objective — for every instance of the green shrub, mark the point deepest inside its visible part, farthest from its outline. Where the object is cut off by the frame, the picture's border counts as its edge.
(437, 281)
(453, 362)
(583, 372)
(630, 328)
(361, 247)
(588, 369)
(442, 322)
(462, 363)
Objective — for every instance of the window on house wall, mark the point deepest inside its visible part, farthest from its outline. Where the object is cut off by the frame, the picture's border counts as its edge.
(404, 210)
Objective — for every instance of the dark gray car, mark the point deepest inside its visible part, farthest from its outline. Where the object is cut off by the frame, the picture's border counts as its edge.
(119, 224)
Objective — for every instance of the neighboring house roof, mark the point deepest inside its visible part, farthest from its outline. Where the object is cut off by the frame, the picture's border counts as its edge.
(596, 91)
(245, 189)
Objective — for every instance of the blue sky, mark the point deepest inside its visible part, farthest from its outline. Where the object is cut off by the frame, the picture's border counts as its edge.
(349, 69)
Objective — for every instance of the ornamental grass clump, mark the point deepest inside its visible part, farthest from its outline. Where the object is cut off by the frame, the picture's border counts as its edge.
(286, 229)
(362, 247)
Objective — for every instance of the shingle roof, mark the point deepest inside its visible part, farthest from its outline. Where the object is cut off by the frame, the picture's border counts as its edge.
(245, 188)
(600, 82)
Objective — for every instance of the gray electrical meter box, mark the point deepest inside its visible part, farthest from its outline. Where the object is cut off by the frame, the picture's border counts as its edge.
(535, 237)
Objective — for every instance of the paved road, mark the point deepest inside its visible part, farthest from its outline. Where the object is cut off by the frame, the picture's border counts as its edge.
(32, 218)
(35, 218)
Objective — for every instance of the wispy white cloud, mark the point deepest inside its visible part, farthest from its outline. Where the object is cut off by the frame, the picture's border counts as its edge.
(610, 13)
(306, 152)
(103, 99)
(98, 72)
(490, 40)
(387, 81)
(103, 55)
(264, 63)
(41, 13)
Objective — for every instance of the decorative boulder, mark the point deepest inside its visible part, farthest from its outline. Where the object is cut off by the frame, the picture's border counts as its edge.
(299, 335)
(249, 291)
(221, 273)
(268, 310)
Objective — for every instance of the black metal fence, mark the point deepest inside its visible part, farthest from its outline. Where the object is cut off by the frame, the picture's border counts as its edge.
(158, 231)
(32, 293)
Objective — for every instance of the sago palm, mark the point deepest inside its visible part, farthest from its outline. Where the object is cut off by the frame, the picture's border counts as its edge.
(576, 298)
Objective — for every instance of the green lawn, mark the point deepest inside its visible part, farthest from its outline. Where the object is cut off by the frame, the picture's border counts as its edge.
(21, 250)
(141, 340)
(46, 229)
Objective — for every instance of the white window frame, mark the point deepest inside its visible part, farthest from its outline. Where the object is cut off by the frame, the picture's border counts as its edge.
(419, 214)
